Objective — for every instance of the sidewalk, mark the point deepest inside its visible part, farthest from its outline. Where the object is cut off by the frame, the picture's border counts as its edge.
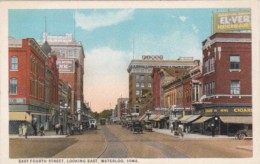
(200, 136)
(48, 134)
(188, 135)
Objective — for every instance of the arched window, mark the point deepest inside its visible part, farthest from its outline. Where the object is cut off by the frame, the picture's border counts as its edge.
(14, 63)
(13, 86)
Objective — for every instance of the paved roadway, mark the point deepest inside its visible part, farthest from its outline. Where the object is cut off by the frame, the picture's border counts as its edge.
(113, 141)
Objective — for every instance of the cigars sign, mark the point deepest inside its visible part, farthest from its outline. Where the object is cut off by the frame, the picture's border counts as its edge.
(65, 65)
(229, 111)
(232, 21)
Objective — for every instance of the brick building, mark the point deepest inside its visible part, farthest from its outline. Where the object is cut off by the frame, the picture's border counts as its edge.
(70, 54)
(140, 77)
(27, 83)
(227, 83)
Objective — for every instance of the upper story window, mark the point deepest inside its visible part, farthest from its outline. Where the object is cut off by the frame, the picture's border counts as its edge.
(137, 84)
(149, 77)
(142, 77)
(13, 86)
(137, 92)
(234, 62)
(235, 87)
(14, 63)
(142, 85)
(149, 85)
(137, 77)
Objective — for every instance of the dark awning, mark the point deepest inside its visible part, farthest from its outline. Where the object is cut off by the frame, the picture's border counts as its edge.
(236, 119)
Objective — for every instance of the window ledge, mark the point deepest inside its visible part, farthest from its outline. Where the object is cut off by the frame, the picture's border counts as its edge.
(234, 70)
(13, 70)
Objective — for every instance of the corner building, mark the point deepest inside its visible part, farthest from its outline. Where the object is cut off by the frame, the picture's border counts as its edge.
(27, 63)
(226, 104)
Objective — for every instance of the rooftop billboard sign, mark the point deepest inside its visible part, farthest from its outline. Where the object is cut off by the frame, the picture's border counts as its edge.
(232, 21)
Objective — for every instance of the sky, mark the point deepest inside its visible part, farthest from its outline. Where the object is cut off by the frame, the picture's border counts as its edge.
(111, 38)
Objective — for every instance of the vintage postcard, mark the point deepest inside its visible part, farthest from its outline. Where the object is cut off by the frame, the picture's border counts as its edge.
(129, 82)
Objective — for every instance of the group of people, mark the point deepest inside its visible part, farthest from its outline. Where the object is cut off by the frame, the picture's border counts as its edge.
(23, 130)
(177, 131)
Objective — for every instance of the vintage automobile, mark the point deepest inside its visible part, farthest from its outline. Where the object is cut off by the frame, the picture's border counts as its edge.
(130, 124)
(92, 123)
(137, 127)
(102, 121)
(242, 134)
(148, 126)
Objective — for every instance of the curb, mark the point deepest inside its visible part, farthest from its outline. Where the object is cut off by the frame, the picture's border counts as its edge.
(246, 148)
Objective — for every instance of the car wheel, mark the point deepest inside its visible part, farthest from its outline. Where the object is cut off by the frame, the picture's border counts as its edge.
(242, 136)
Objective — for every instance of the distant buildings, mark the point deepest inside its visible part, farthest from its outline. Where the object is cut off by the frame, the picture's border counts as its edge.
(140, 77)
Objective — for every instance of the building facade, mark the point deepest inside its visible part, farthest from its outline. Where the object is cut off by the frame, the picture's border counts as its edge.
(227, 84)
(70, 61)
(140, 76)
(27, 84)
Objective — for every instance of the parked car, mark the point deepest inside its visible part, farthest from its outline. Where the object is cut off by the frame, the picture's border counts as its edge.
(242, 134)
(92, 123)
(148, 126)
(137, 127)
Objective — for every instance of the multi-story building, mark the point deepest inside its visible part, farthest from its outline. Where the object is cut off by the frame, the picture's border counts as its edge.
(70, 54)
(181, 92)
(121, 107)
(227, 83)
(140, 76)
(27, 83)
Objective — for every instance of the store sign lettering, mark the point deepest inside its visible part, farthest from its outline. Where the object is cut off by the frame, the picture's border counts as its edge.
(247, 110)
(208, 110)
(223, 110)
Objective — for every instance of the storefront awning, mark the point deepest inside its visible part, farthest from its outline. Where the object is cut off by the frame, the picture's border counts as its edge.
(184, 118)
(201, 120)
(20, 116)
(236, 119)
(190, 119)
(142, 117)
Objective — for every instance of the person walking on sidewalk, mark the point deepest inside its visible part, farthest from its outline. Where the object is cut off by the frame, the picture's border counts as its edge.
(42, 130)
(20, 130)
(57, 127)
(24, 129)
(171, 127)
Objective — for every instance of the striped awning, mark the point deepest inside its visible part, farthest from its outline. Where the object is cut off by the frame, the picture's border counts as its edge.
(201, 120)
(236, 119)
(20, 116)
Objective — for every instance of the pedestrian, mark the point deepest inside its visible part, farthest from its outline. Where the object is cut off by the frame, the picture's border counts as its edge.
(20, 130)
(34, 125)
(57, 127)
(213, 130)
(42, 130)
(81, 128)
(24, 129)
(72, 129)
(180, 132)
(171, 127)
(61, 129)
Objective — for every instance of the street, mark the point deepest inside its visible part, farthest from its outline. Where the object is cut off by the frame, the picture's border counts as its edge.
(114, 141)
